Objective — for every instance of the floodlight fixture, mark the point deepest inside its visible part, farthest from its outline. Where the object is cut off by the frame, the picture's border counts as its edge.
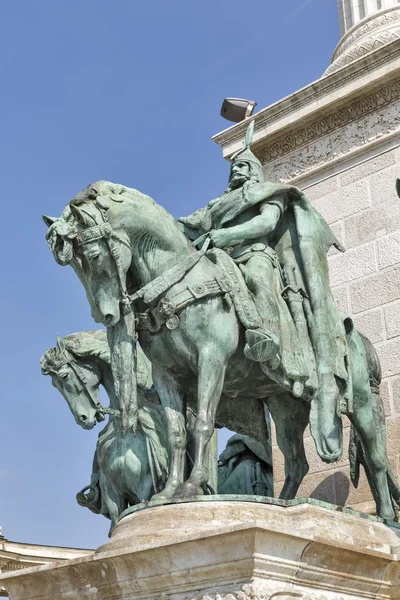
(237, 109)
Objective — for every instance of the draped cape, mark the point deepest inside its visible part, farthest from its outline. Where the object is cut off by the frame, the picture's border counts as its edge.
(302, 238)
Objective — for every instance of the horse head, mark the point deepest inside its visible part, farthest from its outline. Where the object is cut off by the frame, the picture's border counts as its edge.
(77, 380)
(104, 255)
(100, 224)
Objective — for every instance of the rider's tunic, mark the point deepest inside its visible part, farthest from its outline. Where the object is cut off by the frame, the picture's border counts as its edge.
(263, 275)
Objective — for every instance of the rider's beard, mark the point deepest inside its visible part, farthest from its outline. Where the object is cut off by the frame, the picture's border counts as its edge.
(237, 181)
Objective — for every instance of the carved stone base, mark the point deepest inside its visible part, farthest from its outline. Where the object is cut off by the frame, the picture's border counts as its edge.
(228, 551)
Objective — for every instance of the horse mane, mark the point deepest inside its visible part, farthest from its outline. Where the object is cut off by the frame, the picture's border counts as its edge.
(92, 344)
(117, 193)
(82, 344)
(88, 343)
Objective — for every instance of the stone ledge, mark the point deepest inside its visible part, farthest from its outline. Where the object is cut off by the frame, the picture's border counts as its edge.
(318, 98)
(228, 549)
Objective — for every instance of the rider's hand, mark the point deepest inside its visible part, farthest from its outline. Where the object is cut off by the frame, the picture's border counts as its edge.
(220, 238)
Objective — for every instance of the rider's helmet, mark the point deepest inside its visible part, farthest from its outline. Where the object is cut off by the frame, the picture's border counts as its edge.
(246, 155)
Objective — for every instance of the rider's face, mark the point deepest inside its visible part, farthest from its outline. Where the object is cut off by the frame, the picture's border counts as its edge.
(240, 172)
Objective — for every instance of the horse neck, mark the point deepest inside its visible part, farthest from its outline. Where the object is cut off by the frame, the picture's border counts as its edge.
(155, 239)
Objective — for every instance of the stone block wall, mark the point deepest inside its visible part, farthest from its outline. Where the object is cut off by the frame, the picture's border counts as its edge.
(361, 206)
(338, 139)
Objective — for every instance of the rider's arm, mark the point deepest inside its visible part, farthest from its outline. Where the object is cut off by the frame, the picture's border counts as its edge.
(260, 225)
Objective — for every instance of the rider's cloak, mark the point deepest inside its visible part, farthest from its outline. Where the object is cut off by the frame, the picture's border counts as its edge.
(302, 238)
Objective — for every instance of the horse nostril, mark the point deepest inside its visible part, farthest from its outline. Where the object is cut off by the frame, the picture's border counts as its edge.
(83, 418)
(108, 318)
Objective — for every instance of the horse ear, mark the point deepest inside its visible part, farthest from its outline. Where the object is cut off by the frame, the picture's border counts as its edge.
(60, 347)
(49, 220)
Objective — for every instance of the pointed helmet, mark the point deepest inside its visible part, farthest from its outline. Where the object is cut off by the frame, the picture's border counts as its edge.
(246, 155)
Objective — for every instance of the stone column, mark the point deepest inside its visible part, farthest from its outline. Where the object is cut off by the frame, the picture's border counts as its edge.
(365, 25)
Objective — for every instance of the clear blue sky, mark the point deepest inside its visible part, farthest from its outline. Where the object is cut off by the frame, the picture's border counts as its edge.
(130, 92)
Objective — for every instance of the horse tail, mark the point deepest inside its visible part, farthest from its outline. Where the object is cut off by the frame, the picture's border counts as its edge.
(356, 450)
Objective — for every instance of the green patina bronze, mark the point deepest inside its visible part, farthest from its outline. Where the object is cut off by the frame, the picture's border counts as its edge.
(131, 469)
(233, 308)
(126, 470)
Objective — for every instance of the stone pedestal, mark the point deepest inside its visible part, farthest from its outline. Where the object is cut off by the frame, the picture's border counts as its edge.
(228, 550)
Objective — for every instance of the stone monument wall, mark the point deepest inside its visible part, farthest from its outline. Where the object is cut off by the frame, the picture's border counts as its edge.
(339, 140)
(360, 204)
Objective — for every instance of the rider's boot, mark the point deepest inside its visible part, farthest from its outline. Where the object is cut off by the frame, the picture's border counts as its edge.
(262, 348)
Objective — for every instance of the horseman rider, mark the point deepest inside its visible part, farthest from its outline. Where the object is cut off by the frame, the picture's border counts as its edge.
(249, 222)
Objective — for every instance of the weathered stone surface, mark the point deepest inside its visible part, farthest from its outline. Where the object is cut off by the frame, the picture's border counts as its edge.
(323, 188)
(365, 169)
(337, 229)
(395, 386)
(389, 355)
(371, 325)
(392, 319)
(389, 250)
(371, 224)
(342, 298)
(379, 289)
(318, 485)
(386, 395)
(382, 183)
(393, 436)
(350, 200)
(187, 552)
(353, 264)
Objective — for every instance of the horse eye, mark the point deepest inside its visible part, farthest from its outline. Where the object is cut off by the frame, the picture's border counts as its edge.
(63, 375)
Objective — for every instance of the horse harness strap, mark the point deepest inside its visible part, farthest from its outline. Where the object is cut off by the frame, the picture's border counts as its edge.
(158, 286)
(173, 275)
(165, 311)
(106, 232)
(69, 360)
(82, 380)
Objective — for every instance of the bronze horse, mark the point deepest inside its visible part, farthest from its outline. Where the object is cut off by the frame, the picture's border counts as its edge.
(120, 241)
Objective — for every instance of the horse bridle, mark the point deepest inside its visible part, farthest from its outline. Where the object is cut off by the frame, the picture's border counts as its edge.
(106, 232)
(155, 288)
(69, 359)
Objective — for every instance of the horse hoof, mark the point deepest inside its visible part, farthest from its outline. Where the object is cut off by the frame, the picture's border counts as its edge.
(388, 515)
(188, 491)
(165, 494)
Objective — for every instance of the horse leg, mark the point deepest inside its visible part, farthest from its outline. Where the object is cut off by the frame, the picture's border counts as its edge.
(173, 402)
(211, 375)
(374, 446)
(112, 501)
(291, 417)
(368, 419)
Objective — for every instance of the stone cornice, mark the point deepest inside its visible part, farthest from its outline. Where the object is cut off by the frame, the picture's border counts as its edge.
(316, 101)
(325, 125)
